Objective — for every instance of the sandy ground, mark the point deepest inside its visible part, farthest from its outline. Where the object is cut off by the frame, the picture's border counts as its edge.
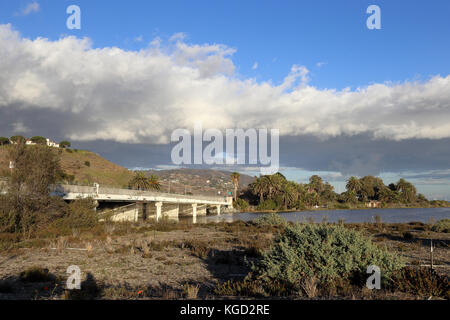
(161, 264)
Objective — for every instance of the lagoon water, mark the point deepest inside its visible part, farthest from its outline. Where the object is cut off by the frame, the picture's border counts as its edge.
(424, 215)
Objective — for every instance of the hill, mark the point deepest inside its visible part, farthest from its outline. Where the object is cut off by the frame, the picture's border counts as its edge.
(86, 167)
(196, 181)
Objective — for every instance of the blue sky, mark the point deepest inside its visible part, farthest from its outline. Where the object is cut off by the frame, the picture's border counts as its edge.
(413, 43)
(393, 120)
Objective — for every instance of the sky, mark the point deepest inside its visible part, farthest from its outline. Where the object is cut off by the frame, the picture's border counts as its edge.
(347, 100)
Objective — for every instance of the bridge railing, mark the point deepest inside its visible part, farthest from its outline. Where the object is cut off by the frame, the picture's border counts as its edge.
(64, 189)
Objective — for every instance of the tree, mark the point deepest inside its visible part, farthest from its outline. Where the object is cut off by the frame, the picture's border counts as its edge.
(18, 139)
(289, 194)
(154, 182)
(4, 141)
(39, 140)
(235, 177)
(408, 192)
(65, 144)
(353, 185)
(141, 182)
(259, 187)
(28, 202)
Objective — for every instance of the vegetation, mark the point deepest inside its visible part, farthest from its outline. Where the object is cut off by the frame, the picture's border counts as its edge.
(442, 226)
(275, 192)
(39, 140)
(140, 181)
(271, 219)
(235, 177)
(4, 141)
(421, 282)
(241, 204)
(18, 139)
(65, 144)
(28, 208)
(326, 252)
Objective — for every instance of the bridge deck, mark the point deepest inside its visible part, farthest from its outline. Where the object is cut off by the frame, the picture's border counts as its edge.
(70, 192)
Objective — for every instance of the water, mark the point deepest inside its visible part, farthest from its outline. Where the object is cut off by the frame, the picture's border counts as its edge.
(424, 215)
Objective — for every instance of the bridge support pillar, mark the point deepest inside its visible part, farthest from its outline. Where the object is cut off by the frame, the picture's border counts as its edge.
(194, 213)
(218, 209)
(158, 206)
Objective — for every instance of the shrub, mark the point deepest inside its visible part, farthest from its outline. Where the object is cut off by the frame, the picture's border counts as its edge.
(328, 252)
(268, 204)
(408, 235)
(271, 219)
(87, 163)
(80, 214)
(442, 226)
(242, 204)
(420, 281)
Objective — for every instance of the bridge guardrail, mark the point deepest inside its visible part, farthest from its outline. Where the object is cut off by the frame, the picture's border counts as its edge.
(64, 189)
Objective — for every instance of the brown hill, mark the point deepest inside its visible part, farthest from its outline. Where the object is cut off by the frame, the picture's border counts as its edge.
(86, 167)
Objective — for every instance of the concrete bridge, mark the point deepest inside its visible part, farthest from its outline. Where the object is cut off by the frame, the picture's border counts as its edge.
(136, 204)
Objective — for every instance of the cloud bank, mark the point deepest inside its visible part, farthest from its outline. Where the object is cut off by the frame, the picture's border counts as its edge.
(86, 93)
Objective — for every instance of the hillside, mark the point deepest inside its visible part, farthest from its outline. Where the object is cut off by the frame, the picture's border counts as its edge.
(204, 181)
(86, 167)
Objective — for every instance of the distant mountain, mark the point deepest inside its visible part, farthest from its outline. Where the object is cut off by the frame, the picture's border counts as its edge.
(198, 181)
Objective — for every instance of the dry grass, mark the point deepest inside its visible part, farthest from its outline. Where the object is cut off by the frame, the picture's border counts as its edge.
(191, 291)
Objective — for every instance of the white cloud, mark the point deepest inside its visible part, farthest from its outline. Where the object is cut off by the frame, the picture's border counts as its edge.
(139, 38)
(19, 127)
(141, 96)
(31, 7)
(180, 36)
(255, 66)
(321, 64)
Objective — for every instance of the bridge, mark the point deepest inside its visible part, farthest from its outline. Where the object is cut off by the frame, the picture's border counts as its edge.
(133, 205)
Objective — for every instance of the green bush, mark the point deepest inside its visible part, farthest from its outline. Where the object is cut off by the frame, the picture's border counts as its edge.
(268, 204)
(270, 219)
(242, 204)
(328, 252)
(442, 226)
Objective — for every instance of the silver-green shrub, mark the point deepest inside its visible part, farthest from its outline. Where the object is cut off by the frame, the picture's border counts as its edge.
(328, 252)
(442, 226)
(270, 219)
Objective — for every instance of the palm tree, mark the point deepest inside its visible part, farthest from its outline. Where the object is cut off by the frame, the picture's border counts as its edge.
(353, 184)
(289, 194)
(154, 183)
(235, 177)
(407, 190)
(141, 182)
(259, 187)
